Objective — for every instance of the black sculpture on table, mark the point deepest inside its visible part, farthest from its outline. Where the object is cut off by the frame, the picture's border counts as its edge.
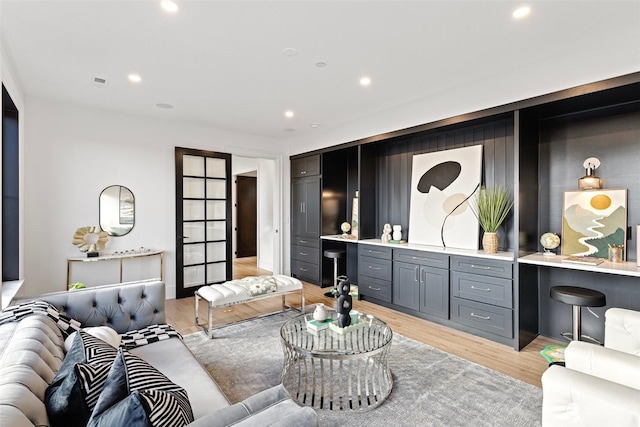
(345, 303)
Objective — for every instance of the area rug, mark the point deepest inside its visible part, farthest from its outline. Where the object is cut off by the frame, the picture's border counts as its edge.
(431, 387)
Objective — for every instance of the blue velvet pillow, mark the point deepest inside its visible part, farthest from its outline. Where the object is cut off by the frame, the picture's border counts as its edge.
(74, 391)
(138, 395)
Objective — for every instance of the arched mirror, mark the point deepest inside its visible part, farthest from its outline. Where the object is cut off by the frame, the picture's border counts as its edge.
(117, 210)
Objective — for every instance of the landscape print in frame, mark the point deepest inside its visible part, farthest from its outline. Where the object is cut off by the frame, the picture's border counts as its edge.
(593, 220)
(442, 183)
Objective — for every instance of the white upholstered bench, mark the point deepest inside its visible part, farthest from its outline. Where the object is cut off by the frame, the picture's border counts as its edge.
(232, 293)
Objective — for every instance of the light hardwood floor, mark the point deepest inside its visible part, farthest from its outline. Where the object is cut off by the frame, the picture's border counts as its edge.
(526, 365)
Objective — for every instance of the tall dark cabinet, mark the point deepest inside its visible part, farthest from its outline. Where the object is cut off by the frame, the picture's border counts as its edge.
(306, 191)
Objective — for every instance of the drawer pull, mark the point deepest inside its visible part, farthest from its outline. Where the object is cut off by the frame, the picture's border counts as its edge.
(480, 267)
(374, 252)
(481, 289)
(419, 259)
(375, 289)
(480, 317)
(374, 268)
(304, 253)
(303, 241)
(303, 269)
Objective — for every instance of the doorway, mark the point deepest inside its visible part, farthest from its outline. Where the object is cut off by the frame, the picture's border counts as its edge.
(247, 216)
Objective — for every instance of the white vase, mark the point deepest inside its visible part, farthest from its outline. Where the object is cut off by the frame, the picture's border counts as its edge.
(320, 313)
(397, 232)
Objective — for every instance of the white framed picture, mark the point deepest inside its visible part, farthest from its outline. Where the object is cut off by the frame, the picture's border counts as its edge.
(442, 184)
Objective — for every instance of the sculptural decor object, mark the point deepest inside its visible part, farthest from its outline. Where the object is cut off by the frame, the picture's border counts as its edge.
(90, 239)
(386, 233)
(345, 303)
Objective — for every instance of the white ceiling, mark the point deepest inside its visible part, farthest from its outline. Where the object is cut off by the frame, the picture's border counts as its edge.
(222, 63)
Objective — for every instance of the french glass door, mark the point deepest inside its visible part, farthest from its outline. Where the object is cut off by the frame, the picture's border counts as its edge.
(203, 219)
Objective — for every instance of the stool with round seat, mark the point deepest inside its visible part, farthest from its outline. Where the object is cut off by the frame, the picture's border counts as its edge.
(335, 254)
(578, 298)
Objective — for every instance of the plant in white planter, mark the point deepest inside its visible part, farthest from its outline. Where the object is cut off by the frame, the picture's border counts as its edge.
(491, 206)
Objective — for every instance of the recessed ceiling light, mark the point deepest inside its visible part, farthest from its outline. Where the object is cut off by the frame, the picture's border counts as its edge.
(135, 78)
(165, 106)
(288, 114)
(169, 6)
(321, 64)
(521, 12)
(365, 81)
(315, 125)
(289, 130)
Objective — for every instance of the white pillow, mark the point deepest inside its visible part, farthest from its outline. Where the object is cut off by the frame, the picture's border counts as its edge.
(105, 333)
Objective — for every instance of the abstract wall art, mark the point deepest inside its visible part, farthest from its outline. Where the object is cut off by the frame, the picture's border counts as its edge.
(442, 183)
(593, 220)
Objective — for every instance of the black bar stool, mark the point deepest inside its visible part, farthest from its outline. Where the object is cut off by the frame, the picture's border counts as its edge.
(336, 254)
(578, 298)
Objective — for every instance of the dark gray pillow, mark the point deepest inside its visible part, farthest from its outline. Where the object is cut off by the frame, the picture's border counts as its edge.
(74, 391)
(138, 395)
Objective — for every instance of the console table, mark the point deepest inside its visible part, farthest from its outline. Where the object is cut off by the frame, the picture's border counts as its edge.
(120, 259)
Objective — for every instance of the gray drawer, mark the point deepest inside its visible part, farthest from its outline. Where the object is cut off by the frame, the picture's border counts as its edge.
(305, 253)
(491, 290)
(374, 251)
(375, 267)
(487, 267)
(374, 288)
(306, 241)
(489, 318)
(430, 259)
(306, 271)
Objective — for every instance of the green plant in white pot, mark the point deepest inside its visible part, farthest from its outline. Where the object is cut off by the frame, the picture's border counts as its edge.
(491, 206)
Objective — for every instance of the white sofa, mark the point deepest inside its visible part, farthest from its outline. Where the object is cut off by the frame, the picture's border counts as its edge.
(600, 386)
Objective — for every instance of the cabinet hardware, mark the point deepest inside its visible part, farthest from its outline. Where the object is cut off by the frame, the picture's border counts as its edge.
(305, 254)
(374, 268)
(481, 289)
(419, 259)
(417, 274)
(303, 172)
(480, 317)
(480, 267)
(374, 252)
(303, 241)
(303, 269)
(375, 289)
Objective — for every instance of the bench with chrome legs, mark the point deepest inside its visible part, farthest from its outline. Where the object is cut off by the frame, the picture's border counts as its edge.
(246, 290)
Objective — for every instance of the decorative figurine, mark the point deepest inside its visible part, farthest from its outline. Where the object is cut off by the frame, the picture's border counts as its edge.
(397, 232)
(386, 233)
(320, 313)
(345, 303)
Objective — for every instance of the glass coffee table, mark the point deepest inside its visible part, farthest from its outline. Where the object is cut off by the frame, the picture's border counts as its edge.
(337, 371)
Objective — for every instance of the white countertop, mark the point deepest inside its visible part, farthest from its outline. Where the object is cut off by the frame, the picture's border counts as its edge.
(618, 268)
(502, 256)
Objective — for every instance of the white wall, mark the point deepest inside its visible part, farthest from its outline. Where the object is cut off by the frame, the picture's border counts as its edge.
(73, 153)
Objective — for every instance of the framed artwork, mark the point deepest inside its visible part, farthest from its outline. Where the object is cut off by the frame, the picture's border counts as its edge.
(442, 183)
(593, 220)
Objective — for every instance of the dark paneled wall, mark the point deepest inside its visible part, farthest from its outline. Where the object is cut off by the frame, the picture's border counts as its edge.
(395, 158)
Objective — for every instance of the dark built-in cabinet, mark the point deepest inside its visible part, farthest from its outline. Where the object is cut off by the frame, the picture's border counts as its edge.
(536, 148)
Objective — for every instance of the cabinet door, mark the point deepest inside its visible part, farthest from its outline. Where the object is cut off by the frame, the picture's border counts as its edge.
(406, 285)
(306, 166)
(434, 291)
(305, 207)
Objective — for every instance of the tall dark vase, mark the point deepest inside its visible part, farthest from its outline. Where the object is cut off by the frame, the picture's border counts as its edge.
(345, 303)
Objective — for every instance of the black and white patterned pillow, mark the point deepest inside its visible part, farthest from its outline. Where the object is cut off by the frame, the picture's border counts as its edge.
(18, 312)
(148, 335)
(74, 391)
(134, 387)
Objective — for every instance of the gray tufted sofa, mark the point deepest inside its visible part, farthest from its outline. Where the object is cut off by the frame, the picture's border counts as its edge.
(32, 350)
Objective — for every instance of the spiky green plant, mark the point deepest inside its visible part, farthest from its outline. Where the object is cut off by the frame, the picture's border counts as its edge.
(491, 206)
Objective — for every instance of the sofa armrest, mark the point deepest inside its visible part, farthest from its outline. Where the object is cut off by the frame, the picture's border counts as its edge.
(124, 307)
(612, 365)
(271, 407)
(572, 398)
(622, 330)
